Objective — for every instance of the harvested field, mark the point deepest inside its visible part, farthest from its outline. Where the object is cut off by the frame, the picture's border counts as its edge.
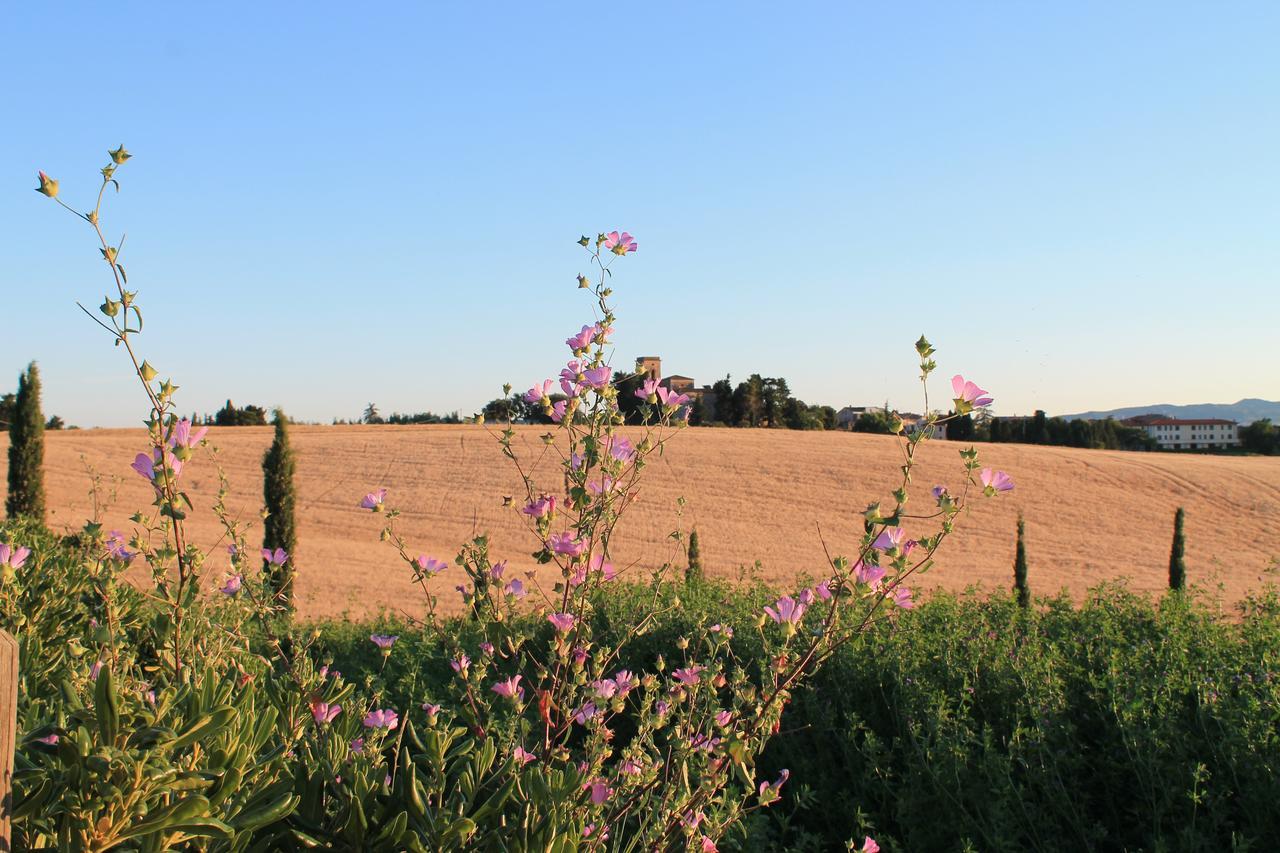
(753, 495)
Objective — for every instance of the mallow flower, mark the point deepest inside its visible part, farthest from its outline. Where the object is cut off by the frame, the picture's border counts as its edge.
(618, 243)
(968, 395)
(995, 481)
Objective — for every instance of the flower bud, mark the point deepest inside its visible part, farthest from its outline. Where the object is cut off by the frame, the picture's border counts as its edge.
(48, 186)
(119, 155)
(111, 308)
(583, 282)
(147, 372)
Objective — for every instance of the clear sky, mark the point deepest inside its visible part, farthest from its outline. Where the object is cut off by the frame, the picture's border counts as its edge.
(1079, 203)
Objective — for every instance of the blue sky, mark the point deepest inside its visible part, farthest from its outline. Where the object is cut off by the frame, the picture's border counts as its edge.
(1079, 203)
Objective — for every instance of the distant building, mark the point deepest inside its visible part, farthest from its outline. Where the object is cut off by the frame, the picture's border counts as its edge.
(650, 365)
(848, 416)
(1188, 433)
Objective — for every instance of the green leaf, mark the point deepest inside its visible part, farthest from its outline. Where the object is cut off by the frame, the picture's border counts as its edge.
(206, 726)
(106, 706)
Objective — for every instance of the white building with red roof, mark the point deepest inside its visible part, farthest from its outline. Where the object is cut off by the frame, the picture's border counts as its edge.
(1188, 433)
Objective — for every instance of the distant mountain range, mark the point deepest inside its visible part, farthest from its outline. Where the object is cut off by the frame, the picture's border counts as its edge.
(1244, 411)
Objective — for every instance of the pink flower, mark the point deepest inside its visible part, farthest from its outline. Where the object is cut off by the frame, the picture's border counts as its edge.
(605, 486)
(721, 629)
(806, 596)
(430, 565)
(564, 622)
(565, 545)
(995, 481)
(724, 718)
(619, 244)
(324, 712)
(625, 680)
(597, 563)
(648, 390)
(486, 648)
(869, 845)
(541, 508)
(95, 669)
(383, 641)
(183, 437)
(50, 739)
(661, 707)
(539, 394)
(516, 588)
(939, 492)
(582, 341)
(373, 500)
(460, 664)
(357, 746)
(558, 411)
(787, 611)
(631, 767)
(585, 713)
(868, 575)
(776, 785)
(146, 464)
(704, 743)
(889, 539)
(278, 557)
(232, 585)
(13, 556)
(708, 846)
(115, 547)
(431, 710)
(600, 791)
(522, 756)
(597, 377)
(579, 655)
(671, 399)
(383, 719)
(688, 676)
(605, 688)
(902, 597)
(823, 590)
(510, 688)
(622, 449)
(968, 393)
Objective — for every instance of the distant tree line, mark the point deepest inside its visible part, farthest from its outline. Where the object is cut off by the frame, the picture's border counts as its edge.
(9, 406)
(1261, 437)
(371, 415)
(1108, 434)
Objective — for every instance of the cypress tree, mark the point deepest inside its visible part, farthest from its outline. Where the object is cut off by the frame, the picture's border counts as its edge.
(26, 450)
(1177, 564)
(1020, 567)
(695, 558)
(280, 528)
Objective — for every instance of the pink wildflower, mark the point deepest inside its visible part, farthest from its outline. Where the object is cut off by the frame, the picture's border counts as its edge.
(969, 393)
(49, 739)
(510, 688)
(689, 675)
(869, 845)
(600, 791)
(631, 767)
(939, 492)
(357, 747)
(671, 399)
(431, 710)
(564, 622)
(232, 585)
(523, 756)
(486, 648)
(324, 712)
(708, 846)
(430, 565)
(622, 449)
(582, 341)
(278, 557)
(625, 680)
(724, 718)
(889, 539)
(597, 563)
(776, 785)
(558, 411)
(823, 590)
(373, 500)
(787, 611)
(587, 712)
(95, 669)
(13, 556)
(648, 391)
(565, 545)
(902, 598)
(543, 507)
(605, 688)
(183, 437)
(806, 596)
(515, 588)
(620, 244)
(597, 377)
(115, 547)
(539, 394)
(868, 575)
(384, 719)
(995, 481)
(383, 641)
(460, 664)
(721, 629)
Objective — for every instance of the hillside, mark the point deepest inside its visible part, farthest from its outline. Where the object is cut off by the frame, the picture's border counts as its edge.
(753, 494)
(1245, 411)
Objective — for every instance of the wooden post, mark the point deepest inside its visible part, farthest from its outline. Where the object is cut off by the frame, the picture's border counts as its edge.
(8, 732)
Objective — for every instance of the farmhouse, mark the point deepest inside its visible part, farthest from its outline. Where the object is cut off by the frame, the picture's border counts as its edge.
(651, 367)
(1188, 433)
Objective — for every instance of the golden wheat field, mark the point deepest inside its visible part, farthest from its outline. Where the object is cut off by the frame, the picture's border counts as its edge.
(771, 496)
